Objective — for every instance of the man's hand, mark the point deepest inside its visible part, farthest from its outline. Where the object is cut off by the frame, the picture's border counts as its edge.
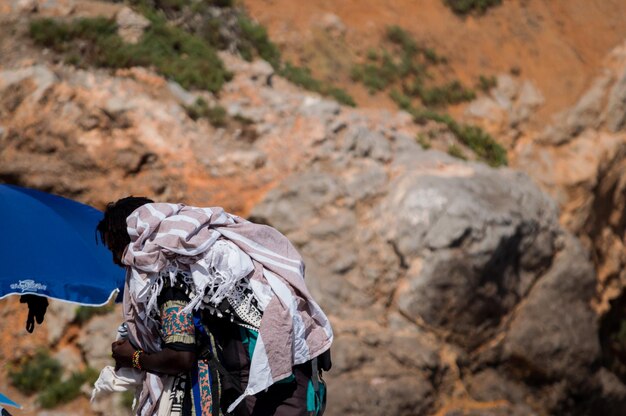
(167, 361)
(122, 352)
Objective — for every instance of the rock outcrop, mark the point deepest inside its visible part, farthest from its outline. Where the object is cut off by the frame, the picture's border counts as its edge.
(580, 161)
(443, 279)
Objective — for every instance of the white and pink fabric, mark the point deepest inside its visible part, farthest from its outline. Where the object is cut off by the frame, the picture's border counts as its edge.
(223, 254)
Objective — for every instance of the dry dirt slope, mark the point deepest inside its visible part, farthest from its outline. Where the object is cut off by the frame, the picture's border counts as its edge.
(558, 44)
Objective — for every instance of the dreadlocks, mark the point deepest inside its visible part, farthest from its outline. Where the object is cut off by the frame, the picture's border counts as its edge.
(112, 228)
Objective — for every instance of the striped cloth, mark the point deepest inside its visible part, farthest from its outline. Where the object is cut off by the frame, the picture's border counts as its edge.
(223, 253)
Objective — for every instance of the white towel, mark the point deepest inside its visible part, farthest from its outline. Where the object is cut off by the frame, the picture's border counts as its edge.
(110, 381)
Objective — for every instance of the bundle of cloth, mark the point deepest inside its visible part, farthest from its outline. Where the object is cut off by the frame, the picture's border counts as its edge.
(223, 255)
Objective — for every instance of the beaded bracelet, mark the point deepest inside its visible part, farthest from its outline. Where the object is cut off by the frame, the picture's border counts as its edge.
(136, 356)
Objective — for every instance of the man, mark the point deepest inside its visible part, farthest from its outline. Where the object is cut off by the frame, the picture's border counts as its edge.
(219, 317)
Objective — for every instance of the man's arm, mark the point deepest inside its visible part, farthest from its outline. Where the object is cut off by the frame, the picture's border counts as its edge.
(167, 361)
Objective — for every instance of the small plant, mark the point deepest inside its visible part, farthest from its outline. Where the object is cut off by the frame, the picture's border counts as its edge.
(65, 391)
(485, 84)
(479, 141)
(43, 374)
(406, 64)
(405, 60)
(395, 34)
(254, 37)
(456, 151)
(402, 100)
(36, 373)
(433, 57)
(372, 54)
(216, 114)
(256, 41)
(374, 77)
(450, 93)
(302, 76)
(423, 141)
(243, 120)
(463, 7)
(422, 115)
(340, 95)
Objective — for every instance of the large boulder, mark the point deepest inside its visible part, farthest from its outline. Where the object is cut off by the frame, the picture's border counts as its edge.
(438, 273)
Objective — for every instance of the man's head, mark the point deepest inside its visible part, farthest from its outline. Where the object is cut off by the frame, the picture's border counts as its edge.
(112, 228)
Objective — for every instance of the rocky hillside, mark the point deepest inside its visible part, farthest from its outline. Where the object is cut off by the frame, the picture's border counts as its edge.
(453, 287)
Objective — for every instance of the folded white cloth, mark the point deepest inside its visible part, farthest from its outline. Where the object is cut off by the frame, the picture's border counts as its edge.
(110, 381)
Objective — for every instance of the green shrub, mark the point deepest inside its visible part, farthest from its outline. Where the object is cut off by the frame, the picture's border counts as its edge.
(216, 114)
(176, 54)
(451, 93)
(302, 76)
(184, 57)
(406, 63)
(43, 374)
(403, 101)
(254, 36)
(340, 95)
(375, 78)
(433, 57)
(210, 32)
(65, 391)
(397, 35)
(423, 141)
(36, 373)
(479, 141)
(243, 120)
(58, 35)
(387, 67)
(372, 54)
(487, 83)
(422, 115)
(463, 7)
(456, 151)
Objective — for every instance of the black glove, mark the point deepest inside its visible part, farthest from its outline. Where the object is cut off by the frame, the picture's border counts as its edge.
(37, 306)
